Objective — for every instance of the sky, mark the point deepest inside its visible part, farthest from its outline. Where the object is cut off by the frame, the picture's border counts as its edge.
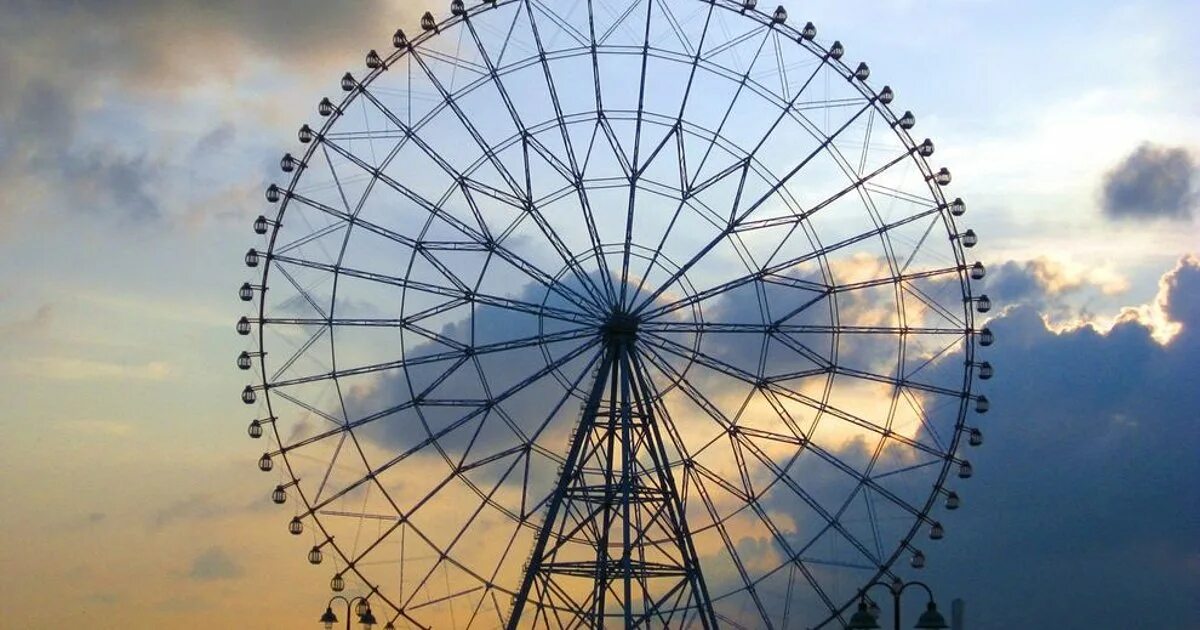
(136, 139)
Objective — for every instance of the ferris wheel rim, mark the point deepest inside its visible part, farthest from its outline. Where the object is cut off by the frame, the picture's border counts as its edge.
(957, 249)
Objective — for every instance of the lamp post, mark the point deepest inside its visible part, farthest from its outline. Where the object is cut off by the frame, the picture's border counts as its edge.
(867, 616)
(359, 605)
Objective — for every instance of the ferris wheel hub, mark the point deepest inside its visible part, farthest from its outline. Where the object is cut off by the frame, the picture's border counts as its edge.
(620, 326)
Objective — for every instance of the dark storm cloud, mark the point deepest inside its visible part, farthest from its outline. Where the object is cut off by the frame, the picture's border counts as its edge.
(1084, 512)
(1153, 182)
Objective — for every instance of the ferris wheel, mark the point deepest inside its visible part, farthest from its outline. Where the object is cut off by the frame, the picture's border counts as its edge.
(586, 313)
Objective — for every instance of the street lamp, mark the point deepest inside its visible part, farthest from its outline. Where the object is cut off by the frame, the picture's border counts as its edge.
(867, 615)
(360, 606)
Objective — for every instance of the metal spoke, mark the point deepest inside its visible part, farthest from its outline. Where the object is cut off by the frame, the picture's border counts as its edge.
(437, 357)
(772, 385)
(466, 184)
(779, 268)
(524, 195)
(737, 220)
(491, 244)
(431, 440)
(507, 303)
(739, 435)
(574, 169)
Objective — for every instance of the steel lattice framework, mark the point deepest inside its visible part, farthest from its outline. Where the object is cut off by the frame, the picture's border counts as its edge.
(600, 313)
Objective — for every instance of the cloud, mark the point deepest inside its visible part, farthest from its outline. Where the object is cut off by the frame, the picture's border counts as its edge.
(99, 427)
(38, 322)
(1179, 291)
(87, 137)
(216, 140)
(1154, 182)
(106, 599)
(113, 181)
(194, 508)
(1086, 486)
(213, 564)
(44, 160)
(164, 44)
(77, 369)
(1044, 282)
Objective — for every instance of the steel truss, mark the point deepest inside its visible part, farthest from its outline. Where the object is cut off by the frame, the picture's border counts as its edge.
(614, 547)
